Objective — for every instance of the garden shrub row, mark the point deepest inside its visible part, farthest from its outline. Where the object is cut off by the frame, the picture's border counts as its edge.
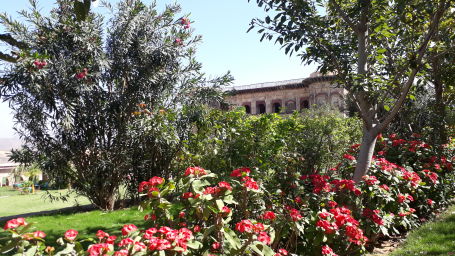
(242, 212)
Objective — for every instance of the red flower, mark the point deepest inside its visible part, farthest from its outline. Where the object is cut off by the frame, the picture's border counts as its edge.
(71, 234)
(128, 229)
(187, 195)
(332, 204)
(370, 180)
(98, 249)
(349, 157)
(295, 214)
(324, 215)
(224, 184)
(268, 215)
(226, 209)
(283, 252)
(101, 234)
(126, 242)
(196, 171)
(185, 22)
(197, 229)
(155, 181)
(178, 41)
(14, 223)
(216, 245)
(39, 64)
(82, 74)
(250, 183)
(240, 172)
(264, 238)
(244, 226)
(329, 228)
(430, 202)
(326, 250)
(39, 234)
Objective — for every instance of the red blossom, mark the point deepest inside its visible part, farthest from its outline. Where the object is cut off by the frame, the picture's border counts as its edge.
(244, 226)
(349, 157)
(127, 229)
(240, 172)
(264, 238)
(195, 170)
(269, 215)
(71, 234)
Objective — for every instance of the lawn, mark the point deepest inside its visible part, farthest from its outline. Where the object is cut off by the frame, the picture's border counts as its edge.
(12, 202)
(433, 238)
(86, 223)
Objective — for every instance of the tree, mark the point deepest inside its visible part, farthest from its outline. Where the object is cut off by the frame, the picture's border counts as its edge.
(77, 90)
(375, 48)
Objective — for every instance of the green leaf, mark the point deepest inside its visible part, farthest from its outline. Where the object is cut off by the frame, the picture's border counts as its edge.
(232, 238)
(386, 107)
(82, 9)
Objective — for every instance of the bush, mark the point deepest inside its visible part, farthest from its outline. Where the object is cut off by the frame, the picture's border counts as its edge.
(244, 213)
(274, 144)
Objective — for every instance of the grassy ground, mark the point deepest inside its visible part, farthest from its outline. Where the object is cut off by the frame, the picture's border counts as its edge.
(86, 223)
(12, 202)
(433, 238)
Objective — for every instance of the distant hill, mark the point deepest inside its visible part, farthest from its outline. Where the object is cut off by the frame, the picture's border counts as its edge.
(6, 144)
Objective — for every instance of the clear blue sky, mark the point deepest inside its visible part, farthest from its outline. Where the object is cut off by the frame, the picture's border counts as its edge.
(226, 45)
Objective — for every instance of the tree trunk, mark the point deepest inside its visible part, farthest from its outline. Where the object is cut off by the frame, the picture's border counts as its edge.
(440, 133)
(366, 153)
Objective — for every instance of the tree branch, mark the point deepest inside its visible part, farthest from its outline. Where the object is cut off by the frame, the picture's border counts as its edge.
(7, 38)
(7, 57)
(418, 62)
(344, 16)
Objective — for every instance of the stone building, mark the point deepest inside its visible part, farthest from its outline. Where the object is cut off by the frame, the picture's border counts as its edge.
(288, 96)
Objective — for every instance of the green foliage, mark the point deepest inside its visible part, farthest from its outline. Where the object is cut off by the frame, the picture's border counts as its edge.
(76, 91)
(274, 144)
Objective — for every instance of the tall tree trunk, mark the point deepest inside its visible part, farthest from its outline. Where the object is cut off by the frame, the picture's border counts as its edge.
(365, 155)
(440, 132)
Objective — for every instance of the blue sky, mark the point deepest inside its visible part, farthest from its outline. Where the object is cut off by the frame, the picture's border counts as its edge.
(226, 46)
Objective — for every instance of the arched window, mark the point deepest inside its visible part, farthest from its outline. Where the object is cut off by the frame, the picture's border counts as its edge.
(276, 107)
(304, 104)
(247, 109)
(290, 106)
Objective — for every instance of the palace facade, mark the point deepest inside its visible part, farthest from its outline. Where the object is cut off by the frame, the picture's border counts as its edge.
(288, 96)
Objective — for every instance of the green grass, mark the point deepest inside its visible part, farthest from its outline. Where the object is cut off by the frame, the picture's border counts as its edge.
(86, 223)
(433, 238)
(12, 202)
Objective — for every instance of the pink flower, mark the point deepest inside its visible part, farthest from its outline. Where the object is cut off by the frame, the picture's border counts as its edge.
(14, 223)
(295, 214)
(99, 249)
(39, 64)
(264, 238)
(216, 245)
(127, 229)
(224, 184)
(39, 234)
(101, 234)
(332, 204)
(225, 209)
(71, 234)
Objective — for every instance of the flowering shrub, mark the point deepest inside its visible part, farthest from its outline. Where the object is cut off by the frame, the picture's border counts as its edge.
(243, 213)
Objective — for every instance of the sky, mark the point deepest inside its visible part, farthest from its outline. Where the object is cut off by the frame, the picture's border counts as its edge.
(226, 45)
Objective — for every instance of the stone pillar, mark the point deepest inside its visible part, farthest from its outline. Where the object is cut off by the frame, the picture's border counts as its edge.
(253, 106)
(268, 106)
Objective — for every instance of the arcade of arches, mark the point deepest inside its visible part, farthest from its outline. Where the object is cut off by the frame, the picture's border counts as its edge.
(288, 96)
